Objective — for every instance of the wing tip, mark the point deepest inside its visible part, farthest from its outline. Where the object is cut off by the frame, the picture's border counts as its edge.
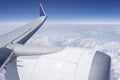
(42, 11)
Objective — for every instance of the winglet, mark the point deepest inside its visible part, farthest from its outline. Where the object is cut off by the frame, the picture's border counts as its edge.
(42, 12)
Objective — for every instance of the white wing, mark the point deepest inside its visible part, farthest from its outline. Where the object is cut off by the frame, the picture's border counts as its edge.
(18, 36)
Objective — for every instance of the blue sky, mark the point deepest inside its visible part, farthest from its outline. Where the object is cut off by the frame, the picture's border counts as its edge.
(60, 10)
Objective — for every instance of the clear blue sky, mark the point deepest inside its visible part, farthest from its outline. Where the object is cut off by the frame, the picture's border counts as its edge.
(60, 10)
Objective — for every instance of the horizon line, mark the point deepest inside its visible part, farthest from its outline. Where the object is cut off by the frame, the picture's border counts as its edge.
(65, 22)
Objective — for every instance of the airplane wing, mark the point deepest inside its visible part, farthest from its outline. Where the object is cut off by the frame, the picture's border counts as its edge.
(22, 34)
(18, 36)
